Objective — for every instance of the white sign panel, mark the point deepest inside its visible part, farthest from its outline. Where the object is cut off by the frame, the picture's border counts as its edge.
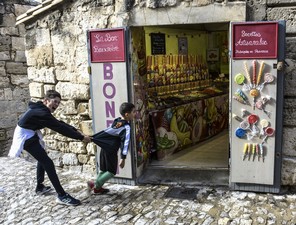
(109, 89)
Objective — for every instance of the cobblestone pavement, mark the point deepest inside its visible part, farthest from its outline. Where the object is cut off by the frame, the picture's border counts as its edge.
(133, 204)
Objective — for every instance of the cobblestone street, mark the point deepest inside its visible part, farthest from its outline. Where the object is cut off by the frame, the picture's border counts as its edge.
(139, 205)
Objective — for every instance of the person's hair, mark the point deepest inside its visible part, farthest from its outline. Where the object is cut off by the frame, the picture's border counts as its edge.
(50, 94)
(126, 107)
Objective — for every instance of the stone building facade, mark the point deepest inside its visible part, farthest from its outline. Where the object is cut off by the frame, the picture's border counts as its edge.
(14, 83)
(57, 57)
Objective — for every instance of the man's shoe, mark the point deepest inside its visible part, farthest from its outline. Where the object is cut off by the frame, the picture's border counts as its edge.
(42, 189)
(98, 191)
(68, 200)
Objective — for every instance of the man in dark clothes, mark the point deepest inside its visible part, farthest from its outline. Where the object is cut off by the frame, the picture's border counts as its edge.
(27, 136)
(110, 140)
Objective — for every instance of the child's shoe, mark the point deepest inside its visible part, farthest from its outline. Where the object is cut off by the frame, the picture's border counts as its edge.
(98, 191)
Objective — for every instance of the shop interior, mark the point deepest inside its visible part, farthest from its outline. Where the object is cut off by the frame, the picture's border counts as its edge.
(188, 95)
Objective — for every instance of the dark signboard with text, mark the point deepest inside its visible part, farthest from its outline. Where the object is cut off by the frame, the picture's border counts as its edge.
(254, 40)
(107, 45)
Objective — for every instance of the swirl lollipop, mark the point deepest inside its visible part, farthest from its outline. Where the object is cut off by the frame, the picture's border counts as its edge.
(269, 131)
(253, 119)
(268, 78)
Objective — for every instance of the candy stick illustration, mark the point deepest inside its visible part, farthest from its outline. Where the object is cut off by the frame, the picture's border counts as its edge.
(245, 152)
(257, 151)
(250, 151)
(254, 73)
(234, 116)
(247, 73)
(254, 151)
(261, 153)
(239, 99)
(244, 112)
(260, 72)
(239, 94)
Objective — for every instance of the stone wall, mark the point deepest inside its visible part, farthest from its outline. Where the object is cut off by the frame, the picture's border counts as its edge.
(57, 58)
(285, 10)
(14, 92)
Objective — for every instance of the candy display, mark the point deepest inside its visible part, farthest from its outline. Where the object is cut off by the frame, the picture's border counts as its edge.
(253, 83)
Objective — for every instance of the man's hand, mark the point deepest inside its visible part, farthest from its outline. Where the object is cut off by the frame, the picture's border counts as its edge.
(86, 139)
(122, 163)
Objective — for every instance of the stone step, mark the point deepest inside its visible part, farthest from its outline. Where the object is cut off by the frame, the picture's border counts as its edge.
(185, 176)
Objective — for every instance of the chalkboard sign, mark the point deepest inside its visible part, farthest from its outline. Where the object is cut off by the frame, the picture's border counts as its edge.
(157, 43)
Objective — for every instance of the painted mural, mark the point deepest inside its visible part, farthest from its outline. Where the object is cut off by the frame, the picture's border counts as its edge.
(178, 127)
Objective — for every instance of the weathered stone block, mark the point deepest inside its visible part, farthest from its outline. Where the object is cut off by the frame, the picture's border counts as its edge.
(9, 31)
(2, 72)
(68, 107)
(288, 171)
(83, 159)
(16, 68)
(8, 94)
(70, 159)
(82, 109)
(8, 120)
(4, 82)
(92, 160)
(16, 105)
(43, 75)
(5, 56)
(86, 127)
(289, 112)
(73, 91)
(43, 37)
(9, 20)
(289, 141)
(21, 9)
(63, 75)
(20, 56)
(18, 43)
(57, 157)
(283, 13)
(282, 2)
(20, 80)
(36, 90)
(5, 42)
(77, 147)
(91, 149)
(40, 56)
(20, 93)
(90, 108)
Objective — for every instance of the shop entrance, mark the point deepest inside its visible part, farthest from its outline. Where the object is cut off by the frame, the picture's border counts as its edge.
(187, 103)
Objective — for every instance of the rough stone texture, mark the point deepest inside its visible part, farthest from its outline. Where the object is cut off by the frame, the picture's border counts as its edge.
(140, 204)
(14, 90)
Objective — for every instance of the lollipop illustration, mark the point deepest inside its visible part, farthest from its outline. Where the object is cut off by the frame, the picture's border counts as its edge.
(264, 123)
(268, 78)
(268, 131)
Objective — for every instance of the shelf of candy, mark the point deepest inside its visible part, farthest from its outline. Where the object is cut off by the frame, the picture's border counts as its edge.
(177, 79)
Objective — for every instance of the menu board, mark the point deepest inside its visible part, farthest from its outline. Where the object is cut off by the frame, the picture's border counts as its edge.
(158, 44)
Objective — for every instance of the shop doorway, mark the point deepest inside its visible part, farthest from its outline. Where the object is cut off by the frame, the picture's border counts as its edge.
(203, 139)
